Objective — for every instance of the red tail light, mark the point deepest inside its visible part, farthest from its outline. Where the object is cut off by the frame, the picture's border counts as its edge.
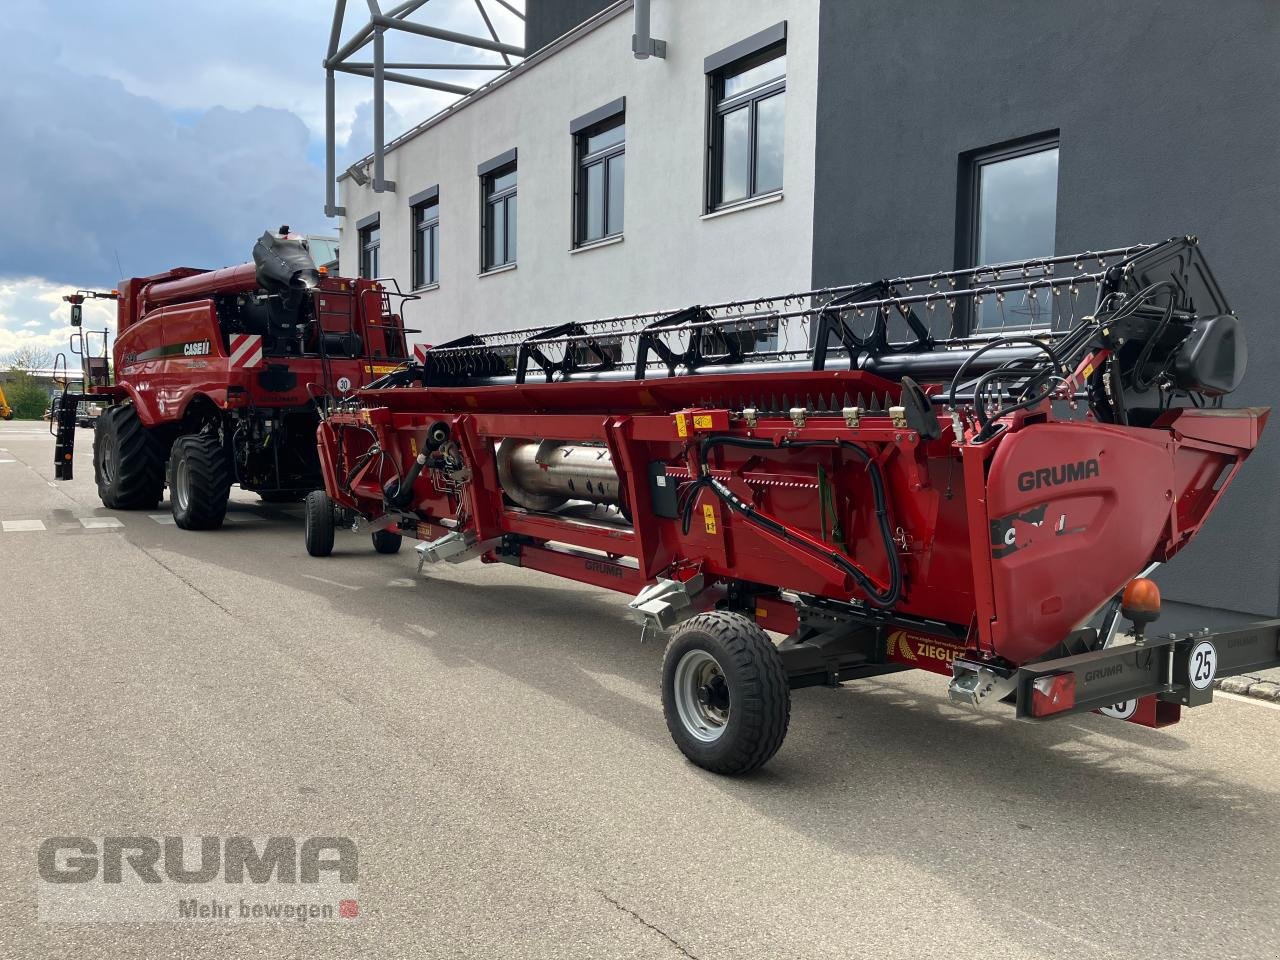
(1052, 694)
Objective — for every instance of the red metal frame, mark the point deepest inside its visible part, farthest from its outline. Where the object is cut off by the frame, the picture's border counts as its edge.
(1013, 542)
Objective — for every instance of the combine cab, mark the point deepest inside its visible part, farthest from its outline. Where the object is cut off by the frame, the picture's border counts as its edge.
(222, 376)
(851, 467)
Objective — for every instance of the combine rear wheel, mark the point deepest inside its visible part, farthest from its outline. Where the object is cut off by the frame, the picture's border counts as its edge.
(725, 694)
(387, 541)
(128, 461)
(320, 524)
(199, 482)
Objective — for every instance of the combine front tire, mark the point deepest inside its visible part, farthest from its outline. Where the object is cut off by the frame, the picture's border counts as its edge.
(199, 482)
(387, 541)
(725, 694)
(320, 524)
(128, 461)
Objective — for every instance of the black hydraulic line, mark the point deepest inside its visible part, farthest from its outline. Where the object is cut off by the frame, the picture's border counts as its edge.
(1001, 342)
(886, 598)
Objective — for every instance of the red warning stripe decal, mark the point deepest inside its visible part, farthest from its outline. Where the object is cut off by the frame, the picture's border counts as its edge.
(246, 351)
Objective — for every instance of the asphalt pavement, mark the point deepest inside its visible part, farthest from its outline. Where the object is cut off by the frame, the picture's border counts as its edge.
(493, 741)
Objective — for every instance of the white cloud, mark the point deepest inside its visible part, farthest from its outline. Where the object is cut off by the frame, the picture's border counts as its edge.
(33, 314)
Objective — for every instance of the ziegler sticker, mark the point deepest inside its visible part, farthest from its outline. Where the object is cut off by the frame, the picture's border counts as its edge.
(927, 652)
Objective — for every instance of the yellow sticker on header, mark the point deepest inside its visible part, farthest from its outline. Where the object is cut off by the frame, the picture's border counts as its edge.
(682, 426)
(709, 517)
(702, 421)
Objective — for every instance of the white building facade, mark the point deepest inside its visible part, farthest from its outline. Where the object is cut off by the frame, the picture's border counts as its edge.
(585, 183)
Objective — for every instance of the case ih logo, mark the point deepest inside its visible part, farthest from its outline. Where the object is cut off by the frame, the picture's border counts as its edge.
(199, 348)
(1030, 480)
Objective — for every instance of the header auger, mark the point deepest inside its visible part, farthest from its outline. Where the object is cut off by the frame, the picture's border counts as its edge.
(959, 472)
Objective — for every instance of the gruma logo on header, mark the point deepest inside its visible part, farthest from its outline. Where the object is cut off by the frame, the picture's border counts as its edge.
(1030, 480)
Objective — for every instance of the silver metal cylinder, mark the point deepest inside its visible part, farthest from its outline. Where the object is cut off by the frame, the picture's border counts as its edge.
(544, 474)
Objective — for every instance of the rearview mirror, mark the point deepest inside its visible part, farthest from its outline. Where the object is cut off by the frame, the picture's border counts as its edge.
(76, 314)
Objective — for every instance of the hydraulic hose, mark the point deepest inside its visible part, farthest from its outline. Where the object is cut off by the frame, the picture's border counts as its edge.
(885, 598)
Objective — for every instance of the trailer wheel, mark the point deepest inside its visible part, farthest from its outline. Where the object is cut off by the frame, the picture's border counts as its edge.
(320, 524)
(387, 541)
(725, 694)
(199, 482)
(128, 461)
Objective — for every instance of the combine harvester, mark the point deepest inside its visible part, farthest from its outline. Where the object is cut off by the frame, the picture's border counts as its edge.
(893, 497)
(223, 375)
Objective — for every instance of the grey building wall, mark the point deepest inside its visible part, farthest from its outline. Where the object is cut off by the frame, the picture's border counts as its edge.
(1169, 116)
(544, 20)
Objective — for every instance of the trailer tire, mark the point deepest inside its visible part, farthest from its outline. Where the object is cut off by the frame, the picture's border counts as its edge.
(725, 694)
(320, 524)
(387, 541)
(199, 482)
(128, 461)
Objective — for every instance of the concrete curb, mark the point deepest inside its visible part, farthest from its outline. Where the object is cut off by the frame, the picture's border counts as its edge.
(1254, 687)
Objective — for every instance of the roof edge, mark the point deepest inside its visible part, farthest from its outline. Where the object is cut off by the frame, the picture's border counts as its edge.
(572, 36)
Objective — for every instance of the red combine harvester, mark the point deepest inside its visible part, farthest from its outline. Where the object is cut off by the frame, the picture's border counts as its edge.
(224, 375)
(888, 494)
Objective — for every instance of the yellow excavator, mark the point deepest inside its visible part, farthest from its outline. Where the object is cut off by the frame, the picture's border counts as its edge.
(6, 411)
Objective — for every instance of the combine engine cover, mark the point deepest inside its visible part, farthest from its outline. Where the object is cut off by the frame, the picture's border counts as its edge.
(965, 472)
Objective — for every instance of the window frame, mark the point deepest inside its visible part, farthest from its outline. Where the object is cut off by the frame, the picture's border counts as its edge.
(753, 51)
(365, 246)
(418, 204)
(969, 208)
(582, 162)
(489, 173)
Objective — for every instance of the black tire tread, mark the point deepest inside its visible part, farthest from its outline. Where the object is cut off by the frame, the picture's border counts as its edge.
(319, 533)
(210, 473)
(766, 710)
(139, 460)
(387, 541)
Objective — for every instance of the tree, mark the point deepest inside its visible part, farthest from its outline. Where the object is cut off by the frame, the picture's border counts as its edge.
(27, 396)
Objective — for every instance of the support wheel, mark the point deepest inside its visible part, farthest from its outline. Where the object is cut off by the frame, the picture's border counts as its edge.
(725, 693)
(128, 461)
(320, 524)
(199, 482)
(387, 541)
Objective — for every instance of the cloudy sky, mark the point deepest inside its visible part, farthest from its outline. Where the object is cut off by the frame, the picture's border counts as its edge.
(139, 135)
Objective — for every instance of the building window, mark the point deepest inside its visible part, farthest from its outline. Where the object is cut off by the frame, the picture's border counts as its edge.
(498, 221)
(425, 208)
(1009, 212)
(600, 148)
(748, 98)
(370, 241)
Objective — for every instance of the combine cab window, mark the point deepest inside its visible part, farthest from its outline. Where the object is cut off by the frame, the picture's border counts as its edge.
(426, 244)
(1011, 196)
(601, 152)
(748, 100)
(499, 241)
(370, 241)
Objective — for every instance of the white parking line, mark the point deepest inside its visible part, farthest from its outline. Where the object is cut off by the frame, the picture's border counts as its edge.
(245, 519)
(332, 583)
(162, 517)
(100, 523)
(21, 526)
(1252, 701)
(7, 460)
